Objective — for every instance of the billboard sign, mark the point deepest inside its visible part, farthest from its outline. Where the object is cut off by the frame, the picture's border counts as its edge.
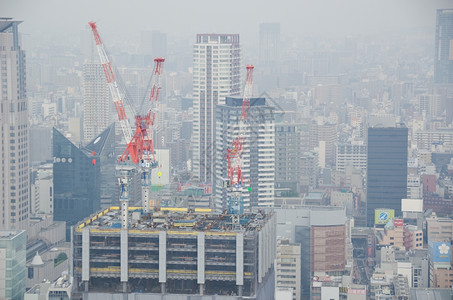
(383, 215)
(398, 222)
(441, 251)
(412, 205)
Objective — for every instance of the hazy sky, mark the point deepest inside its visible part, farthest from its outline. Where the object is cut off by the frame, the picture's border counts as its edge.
(186, 17)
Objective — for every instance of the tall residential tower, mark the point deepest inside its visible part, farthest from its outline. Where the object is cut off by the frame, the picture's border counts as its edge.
(14, 174)
(216, 61)
(443, 60)
(96, 101)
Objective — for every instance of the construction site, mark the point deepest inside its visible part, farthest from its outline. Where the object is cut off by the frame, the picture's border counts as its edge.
(173, 251)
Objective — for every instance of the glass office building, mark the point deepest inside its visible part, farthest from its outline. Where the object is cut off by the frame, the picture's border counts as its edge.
(77, 181)
(13, 247)
(386, 169)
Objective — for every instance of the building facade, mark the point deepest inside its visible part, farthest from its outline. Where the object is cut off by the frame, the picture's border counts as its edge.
(96, 101)
(386, 169)
(287, 267)
(12, 264)
(350, 154)
(443, 55)
(76, 175)
(197, 253)
(258, 158)
(14, 174)
(269, 45)
(216, 74)
(287, 159)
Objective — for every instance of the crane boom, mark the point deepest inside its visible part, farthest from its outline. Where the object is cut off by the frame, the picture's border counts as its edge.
(112, 84)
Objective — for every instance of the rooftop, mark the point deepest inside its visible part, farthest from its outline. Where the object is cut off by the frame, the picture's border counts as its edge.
(6, 23)
(174, 218)
(10, 234)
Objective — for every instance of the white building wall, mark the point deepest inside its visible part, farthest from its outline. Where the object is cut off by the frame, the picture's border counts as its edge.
(216, 74)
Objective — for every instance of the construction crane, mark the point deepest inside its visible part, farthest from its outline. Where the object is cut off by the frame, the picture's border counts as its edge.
(234, 155)
(139, 147)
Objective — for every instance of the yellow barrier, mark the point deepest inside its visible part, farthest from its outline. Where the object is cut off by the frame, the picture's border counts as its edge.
(221, 233)
(136, 270)
(203, 210)
(144, 231)
(106, 270)
(182, 209)
(105, 230)
(184, 224)
(182, 232)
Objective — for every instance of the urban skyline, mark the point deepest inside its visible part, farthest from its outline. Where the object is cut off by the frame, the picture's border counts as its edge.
(284, 164)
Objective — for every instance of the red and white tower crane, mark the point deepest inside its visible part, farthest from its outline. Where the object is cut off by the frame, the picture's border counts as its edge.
(139, 147)
(234, 155)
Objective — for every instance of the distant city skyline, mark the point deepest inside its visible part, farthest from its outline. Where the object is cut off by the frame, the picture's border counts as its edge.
(305, 18)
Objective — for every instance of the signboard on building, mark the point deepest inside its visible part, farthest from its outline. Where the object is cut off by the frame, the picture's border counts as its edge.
(412, 205)
(398, 222)
(440, 251)
(383, 215)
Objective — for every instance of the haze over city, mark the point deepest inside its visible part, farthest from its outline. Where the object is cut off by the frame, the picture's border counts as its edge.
(266, 150)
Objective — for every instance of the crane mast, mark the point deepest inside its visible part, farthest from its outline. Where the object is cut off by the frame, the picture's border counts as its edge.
(234, 155)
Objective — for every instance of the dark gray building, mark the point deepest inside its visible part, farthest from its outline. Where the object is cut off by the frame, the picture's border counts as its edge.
(443, 60)
(76, 180)
(386, 169)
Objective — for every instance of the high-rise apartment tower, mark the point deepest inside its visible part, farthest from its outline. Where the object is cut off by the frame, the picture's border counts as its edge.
(443, 60)
(216, 62)
(96, 101)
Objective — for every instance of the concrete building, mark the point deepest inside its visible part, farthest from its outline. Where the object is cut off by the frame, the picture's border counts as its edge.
(174, 251)
(258, 158)
(353, 154)
(309, 171)
(42, 190)
(287, 267)
(439, 228)
(287, 159)
(386, 169)
(216, 74)
(14, 174)
(440, 270)
(96, 101)
(323, 136)
(60, 289)
(429, 139)
(12, 264)
(443, 62)
(321, 232)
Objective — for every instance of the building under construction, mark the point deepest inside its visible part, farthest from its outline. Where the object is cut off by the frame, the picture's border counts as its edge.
(174, 251)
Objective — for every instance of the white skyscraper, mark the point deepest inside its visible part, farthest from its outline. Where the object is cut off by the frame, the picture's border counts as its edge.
(96, 101)
(14, 174)
(216, 75)
(258, 157)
